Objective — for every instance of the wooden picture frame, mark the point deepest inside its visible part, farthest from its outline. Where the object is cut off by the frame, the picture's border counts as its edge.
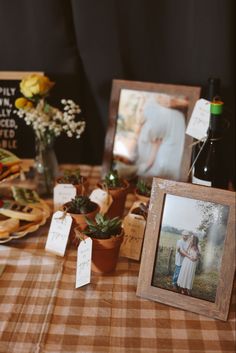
(207, 213)
(134, 108)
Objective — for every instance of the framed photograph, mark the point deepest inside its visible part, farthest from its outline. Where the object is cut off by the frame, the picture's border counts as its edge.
(188, 258)
(146, 132)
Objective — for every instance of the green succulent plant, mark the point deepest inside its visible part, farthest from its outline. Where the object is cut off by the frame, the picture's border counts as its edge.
(71, 177)
(80, 205)
(103, 227)
(143, 188)
(112, 179)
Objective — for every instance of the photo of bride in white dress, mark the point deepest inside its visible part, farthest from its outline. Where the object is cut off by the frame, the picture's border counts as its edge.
(189, 265)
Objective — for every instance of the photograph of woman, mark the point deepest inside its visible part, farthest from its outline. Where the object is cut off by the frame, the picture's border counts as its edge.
(150, 134)
(189, 265)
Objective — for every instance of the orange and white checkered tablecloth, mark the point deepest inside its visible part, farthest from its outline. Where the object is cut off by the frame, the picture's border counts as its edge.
(42, 312)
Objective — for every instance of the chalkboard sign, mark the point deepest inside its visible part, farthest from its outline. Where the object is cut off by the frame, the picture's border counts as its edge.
(15, 135)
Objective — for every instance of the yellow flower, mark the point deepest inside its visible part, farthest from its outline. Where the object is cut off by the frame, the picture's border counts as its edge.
(23, 103)
(35, 84)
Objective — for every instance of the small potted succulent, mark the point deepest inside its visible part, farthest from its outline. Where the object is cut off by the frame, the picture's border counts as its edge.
(81, 207)
(143, 190)
(75, 178)
(117, 187)
(107, 236)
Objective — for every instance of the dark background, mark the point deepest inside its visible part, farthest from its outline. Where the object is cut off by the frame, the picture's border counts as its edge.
(84, 44)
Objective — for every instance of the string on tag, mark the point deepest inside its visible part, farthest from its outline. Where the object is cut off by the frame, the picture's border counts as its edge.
(105, 188)
(195, 160)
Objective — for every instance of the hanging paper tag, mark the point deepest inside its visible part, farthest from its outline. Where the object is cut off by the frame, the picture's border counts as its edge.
(199, 121)
(58, 233)
(134, 226)
(102, 198)
(83, 269)
(63, 193)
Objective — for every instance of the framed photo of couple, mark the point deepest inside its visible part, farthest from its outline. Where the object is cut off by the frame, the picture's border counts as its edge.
(146, 131)
(188, 258)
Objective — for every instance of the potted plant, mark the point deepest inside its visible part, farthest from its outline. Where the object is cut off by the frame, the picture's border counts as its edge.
(75, 178)
(117, 187)
(79, 208)
(143, 190)
(107, 236)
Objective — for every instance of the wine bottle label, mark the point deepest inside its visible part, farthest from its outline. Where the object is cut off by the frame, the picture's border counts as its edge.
(200, 181)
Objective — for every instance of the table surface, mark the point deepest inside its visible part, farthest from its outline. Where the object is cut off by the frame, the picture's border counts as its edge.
(41, 311)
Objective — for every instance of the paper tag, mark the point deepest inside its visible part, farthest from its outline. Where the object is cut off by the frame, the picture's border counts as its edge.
(58, 233)
(63, 193)
(199, 121)
(134, 226)
(102, 198)
(83, 269)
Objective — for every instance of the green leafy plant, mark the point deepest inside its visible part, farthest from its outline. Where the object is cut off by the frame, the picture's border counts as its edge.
(113, 180)
(71, 177)
(80, 205)
(103, 227)
(143, 188)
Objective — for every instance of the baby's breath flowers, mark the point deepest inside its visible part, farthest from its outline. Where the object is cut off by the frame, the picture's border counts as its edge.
(45, 119)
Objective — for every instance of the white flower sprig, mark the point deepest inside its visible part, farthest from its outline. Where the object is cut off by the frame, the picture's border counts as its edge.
(44, 118)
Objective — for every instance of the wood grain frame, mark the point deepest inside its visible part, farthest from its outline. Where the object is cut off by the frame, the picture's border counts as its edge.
(218, 309)
(191, 92)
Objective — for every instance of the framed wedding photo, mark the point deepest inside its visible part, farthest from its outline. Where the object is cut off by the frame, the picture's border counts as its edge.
(188, 258)
(146, 131)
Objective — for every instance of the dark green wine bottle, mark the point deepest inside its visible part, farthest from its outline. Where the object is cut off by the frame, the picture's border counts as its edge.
(208, 168)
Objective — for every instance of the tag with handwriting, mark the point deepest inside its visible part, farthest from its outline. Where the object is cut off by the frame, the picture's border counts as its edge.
(199, 121)
(102, 198)
(58, 233)
(134, 226)
(63, 193)
(83, 269)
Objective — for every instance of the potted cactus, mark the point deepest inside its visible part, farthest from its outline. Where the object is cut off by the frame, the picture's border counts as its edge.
(107, 236)
(117, 187)
(75, 178)
(79, 208)
(143, 190)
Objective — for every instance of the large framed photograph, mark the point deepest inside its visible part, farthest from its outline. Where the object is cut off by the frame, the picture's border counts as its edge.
(188, 258)
(146, 132)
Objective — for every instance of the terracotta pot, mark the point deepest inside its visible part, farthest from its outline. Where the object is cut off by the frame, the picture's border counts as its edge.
(105, 253)
(119, 197)
(79, 220)
(81, 189)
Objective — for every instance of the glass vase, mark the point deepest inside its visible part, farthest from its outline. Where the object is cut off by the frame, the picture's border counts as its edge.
(46, 165)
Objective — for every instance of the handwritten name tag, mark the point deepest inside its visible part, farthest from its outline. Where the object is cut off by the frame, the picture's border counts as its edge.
(199, 121)
(58, 233)
(83, 269)
(134, 226)
(102, 198)
(63, 193)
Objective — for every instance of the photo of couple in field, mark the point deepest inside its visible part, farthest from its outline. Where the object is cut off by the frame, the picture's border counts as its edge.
(190, 248)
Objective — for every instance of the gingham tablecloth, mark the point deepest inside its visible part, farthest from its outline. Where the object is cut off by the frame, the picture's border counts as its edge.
(41, 311)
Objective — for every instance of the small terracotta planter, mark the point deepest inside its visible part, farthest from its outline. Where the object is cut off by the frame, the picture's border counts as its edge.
(78, 220)
(119, 197)
(105, 253)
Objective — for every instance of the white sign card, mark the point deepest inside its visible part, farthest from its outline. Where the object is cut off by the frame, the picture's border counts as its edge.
(134, 227)
(58, 233)
(102, 198)
(199, 121)
(83, 269)
(63, 193)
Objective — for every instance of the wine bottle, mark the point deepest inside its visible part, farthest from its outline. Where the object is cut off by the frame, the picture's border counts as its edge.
(208, 168)
(211, 91)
